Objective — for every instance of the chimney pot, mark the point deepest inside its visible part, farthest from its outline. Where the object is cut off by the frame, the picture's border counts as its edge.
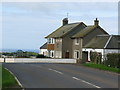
(96, 22)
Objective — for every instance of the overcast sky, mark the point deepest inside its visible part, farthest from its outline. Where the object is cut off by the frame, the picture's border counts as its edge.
(25, 24)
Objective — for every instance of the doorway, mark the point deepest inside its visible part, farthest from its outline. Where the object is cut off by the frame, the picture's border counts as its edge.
(66, 54)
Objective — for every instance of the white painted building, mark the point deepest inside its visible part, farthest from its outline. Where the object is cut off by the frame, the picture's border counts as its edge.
(103, 44)
(43, 50)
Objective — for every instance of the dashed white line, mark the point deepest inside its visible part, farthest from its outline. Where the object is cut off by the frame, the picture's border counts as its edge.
(55, 70)
(86, 82)
(72, 77)
(75, 78)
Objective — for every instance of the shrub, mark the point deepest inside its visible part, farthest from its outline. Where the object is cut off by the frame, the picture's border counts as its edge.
(113, 60)
(41, 56)
(95, 57)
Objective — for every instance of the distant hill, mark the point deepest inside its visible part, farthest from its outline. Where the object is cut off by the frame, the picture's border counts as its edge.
(14, 50)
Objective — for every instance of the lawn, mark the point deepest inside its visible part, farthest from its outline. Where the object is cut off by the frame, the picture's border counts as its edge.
(8, 80)
(102, 67)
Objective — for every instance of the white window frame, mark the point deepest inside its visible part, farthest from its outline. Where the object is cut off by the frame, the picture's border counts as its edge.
(77, 41)
(75, 54)
(51, 51)
(51, 41)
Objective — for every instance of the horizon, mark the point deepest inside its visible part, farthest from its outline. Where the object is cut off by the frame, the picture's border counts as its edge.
(14, 50)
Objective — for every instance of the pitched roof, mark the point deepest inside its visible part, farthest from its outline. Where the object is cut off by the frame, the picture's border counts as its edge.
(60, 32)
(86, 31)
(44, 46)
(104, 41)
(114, 42)
(97, 42)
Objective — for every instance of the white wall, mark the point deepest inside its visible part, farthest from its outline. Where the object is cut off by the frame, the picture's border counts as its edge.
(94, 50)
(37, 60)
(111, 51)
(104, 52)
(44, 52)
(1, 59)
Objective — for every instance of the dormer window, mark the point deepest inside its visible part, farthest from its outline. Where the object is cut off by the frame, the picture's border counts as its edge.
(76, 41)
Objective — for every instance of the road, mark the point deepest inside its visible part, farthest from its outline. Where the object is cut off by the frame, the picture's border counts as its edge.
(46, 75)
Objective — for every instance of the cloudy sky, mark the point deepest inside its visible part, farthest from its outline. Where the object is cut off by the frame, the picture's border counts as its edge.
(25, 24)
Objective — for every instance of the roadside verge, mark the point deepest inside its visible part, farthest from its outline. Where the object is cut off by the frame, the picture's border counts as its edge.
(9, 80)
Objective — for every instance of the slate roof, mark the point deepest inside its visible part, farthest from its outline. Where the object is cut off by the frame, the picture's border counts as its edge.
(60, 32)
(86, 31)
(114, 42)
(100, 41)
(44, 46)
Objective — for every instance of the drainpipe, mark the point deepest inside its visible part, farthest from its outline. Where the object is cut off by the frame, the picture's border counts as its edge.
(81, 43)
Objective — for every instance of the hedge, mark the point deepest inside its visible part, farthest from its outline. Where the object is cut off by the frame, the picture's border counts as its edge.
(113, 60)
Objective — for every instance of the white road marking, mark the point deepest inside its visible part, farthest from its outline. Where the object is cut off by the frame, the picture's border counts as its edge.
(55, 70)
(75, 78)
(15, 78)
(86, 82)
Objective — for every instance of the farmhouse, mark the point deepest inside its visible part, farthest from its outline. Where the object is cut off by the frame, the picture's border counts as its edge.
(69, 39)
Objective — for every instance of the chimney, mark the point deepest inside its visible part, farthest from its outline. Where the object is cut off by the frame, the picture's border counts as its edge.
(96, 22)
(65, 21)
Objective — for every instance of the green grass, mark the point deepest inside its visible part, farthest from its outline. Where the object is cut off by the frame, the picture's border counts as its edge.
(8, 80)
(102, 67)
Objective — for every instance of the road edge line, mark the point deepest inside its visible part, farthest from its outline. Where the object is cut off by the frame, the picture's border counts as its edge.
(15, 78)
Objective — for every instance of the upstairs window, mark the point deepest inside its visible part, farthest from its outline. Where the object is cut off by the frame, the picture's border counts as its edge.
(76, 41)
(51, 41)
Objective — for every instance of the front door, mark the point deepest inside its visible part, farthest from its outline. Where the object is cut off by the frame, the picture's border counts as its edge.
(67, 55)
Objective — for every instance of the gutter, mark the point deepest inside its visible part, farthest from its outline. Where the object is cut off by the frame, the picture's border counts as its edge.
(108, 42)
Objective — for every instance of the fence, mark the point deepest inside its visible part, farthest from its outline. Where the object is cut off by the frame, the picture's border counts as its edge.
(37, 60)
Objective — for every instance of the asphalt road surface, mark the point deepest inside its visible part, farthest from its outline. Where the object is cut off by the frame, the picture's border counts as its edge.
(46, 75)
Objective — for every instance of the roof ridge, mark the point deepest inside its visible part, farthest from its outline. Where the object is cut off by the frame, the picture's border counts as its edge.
(74, 23)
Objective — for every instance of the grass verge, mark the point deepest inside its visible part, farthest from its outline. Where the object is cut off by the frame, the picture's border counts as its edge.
(102, 67)
(8, 80)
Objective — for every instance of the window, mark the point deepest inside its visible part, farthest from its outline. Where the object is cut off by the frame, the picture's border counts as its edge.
(76, 41)
(51, 53)
(51, 40)
(59, 40)
(76, 54)
(48, 40)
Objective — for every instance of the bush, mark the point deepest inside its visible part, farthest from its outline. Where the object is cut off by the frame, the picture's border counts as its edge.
(41, 56)
(113, 60)
(95, 57)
